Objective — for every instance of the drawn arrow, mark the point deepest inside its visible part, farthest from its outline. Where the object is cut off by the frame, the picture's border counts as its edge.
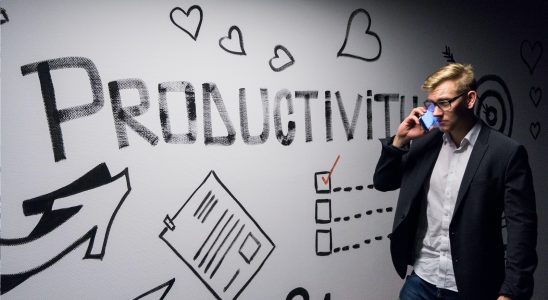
(88, 197)
(161, 290)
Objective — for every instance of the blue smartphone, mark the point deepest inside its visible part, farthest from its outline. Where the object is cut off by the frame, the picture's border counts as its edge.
(427, 120)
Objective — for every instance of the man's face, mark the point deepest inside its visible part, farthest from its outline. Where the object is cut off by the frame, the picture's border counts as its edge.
(460, 108)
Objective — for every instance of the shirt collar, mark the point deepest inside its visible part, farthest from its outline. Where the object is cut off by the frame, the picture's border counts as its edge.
(470, 138)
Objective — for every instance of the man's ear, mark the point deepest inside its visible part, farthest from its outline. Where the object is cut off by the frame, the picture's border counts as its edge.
(471, 98)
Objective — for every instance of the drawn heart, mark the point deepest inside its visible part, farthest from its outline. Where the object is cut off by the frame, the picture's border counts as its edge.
(281, 62)
(179, 17)
(5, 18)
(531, 54)
(228, 43)
(369, 36)
(534, 129)
(535, 94)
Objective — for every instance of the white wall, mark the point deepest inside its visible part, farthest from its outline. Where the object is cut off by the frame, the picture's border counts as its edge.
(292, 238)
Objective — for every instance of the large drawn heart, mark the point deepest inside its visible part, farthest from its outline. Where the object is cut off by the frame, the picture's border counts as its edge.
(531, 54)
(535, 94)
(282, 59)
(534, 129)
(182, 19)
(228, 43)
(369, 37)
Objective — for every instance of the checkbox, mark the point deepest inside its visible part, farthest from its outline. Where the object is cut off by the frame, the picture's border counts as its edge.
(323, 242)
(322, 182)
(323, 211)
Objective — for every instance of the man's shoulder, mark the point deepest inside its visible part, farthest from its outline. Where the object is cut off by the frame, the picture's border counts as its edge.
(497, 138)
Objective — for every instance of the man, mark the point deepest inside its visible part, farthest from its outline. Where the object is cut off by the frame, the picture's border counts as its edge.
(455, 182)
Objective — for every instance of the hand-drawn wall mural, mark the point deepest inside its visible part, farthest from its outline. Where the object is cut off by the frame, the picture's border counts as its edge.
(231, 247)
(284, 101)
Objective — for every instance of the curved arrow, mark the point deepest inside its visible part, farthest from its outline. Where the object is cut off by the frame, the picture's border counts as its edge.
(85, 196)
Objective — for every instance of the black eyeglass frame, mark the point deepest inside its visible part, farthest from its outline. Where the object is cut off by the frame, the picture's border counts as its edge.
(444, 104)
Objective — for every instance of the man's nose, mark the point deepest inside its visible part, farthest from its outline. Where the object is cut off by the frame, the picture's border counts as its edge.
(437, 111)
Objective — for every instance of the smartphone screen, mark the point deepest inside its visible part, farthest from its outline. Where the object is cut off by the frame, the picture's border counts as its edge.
(427, 120)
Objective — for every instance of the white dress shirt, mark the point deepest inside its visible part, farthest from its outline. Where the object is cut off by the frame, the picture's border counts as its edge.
(433, 260)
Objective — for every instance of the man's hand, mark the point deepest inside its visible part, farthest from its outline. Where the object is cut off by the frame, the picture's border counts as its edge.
(410, 128)
(504, 298)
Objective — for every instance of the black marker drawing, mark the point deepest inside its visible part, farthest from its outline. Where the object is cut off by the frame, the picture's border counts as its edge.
(5, 17)
(302, 294)
(349, 129)
(210, 91)
(284, 139)
(530, 54)
(228, 43)
(279, 62)
(125, 115)
(179, 17)
(448, 55)
(369, 38)
(387, 98)
(535, 94)
(307, 95)
(494, 104)
(534, 129)
(328, 118)
(188, 89)
(162, 289)
(57, 116)
(96, 193)
(217, 239)
(327, 222)
(263, 137)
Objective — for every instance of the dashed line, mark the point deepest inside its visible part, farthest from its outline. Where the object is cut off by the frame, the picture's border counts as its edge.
(359, 216)
(357, 245)
(349, 188)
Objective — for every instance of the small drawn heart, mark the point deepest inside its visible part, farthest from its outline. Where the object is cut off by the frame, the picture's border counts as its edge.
(534, 129)
(179, 17)
(228, 44)
(369, 35)
(5, 18)
(281, 62)
(535, 94)
(531, 54)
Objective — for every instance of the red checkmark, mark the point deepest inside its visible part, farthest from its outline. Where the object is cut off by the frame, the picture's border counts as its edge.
(326, 180)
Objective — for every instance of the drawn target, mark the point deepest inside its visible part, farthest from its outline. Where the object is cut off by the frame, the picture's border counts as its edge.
(494, 104)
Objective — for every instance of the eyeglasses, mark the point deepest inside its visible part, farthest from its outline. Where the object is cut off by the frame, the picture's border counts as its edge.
(443, 104)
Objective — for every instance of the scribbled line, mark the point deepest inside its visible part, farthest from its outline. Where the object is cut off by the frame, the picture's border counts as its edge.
(359, 216)
(349, 188)
(207, 207)
(231, 280)
(215, 243)
(357, 245)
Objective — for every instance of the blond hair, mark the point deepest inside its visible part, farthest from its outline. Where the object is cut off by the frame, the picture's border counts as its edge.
(462, 74)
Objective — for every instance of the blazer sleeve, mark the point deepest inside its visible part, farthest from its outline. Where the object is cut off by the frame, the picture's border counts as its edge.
(521, 227)
(388, 173)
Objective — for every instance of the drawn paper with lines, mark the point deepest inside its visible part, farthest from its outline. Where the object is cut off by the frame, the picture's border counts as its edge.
(216, 237)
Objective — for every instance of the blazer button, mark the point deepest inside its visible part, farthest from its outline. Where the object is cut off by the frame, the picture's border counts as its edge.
(402, 216)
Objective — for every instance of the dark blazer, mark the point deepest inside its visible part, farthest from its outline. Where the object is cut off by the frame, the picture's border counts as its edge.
(497, 179)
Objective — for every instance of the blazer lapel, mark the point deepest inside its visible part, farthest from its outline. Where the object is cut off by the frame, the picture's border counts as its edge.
(430, 147)
(473, 163)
